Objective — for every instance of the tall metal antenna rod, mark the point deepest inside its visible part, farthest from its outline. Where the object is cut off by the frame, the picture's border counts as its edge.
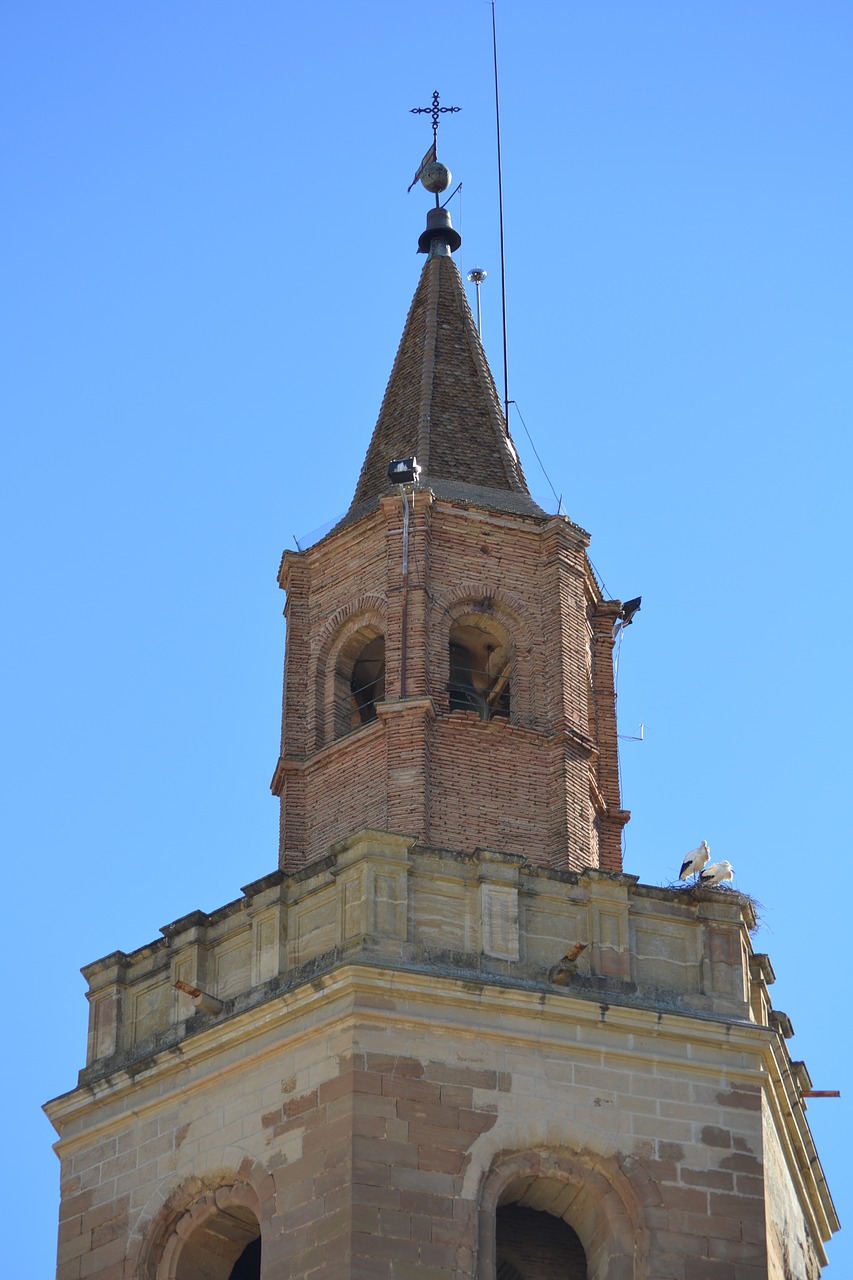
(501, 216)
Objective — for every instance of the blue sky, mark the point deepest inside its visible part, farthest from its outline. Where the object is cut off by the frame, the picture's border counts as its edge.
(209, 255)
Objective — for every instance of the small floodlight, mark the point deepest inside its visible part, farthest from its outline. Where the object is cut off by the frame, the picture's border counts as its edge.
(404, 471)
(477, 275)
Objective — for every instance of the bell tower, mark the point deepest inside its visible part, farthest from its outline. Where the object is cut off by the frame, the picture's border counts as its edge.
(448, 669)
(449, 1037)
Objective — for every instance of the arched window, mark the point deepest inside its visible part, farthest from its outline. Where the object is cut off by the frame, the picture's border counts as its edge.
(359, 678)
(479, 667)
(555, 1213)
(226, 1245)
(248, 1265)
(367, 682)
(534, 1245)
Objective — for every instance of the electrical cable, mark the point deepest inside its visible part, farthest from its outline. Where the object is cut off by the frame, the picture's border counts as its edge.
(599, 579)
(616, 664)
(618, 747)
(557, 498)
(413, 547)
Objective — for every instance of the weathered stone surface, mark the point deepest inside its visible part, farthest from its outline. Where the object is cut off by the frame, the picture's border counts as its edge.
(366, 1110)
(380, 898)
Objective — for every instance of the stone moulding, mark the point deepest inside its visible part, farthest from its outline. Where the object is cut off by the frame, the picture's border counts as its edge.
(363, 1003)
(488, 917)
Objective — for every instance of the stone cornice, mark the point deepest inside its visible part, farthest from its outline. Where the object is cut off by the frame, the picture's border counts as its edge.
(444, 999)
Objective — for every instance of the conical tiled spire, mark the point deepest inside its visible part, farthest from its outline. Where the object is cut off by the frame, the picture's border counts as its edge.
(441, 403)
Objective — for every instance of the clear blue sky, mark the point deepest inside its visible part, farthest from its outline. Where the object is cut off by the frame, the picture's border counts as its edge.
(209, 257)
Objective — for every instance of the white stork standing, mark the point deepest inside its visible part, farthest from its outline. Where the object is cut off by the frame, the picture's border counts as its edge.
(716, 874)
(695, 861)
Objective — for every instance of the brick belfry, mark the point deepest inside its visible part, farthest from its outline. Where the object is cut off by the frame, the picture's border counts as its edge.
(449, 1038)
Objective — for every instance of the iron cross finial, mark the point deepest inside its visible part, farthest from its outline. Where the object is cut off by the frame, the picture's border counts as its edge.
(435, 111)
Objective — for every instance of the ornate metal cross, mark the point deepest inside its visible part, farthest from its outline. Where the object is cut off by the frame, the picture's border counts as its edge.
(435, 111)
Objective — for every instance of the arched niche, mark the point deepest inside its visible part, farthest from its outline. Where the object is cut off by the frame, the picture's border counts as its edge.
(492, 626)
(359, 678)
(536, 1244)
(248, 1265)
(605, 1236)
(219, 1238)
(480, 661)
(339, 662)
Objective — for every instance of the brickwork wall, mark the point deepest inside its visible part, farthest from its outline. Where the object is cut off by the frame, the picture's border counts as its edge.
(603, 618)
(491, 563)
(562, 642)
(475, 769)
(343, 788)
(572, 806)
(559, 796)
(333, 594)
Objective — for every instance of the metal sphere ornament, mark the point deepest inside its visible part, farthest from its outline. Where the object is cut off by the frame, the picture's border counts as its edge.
(436, 177)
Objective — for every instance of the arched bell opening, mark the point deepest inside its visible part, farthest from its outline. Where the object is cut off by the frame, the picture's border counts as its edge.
(226, 1245)
(532, 1244)
(480, 668)
(546, 1214)
(359, 679)
(248, 1265)
(367, 682)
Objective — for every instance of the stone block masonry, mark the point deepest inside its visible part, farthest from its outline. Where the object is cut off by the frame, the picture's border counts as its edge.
(368, 1107)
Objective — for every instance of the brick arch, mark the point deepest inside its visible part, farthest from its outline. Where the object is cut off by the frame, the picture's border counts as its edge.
(366, 612)
(467, 592)
(511, 616)
(595, 1195)
(182, 1223)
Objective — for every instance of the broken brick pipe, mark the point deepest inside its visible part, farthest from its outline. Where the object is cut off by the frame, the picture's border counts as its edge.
(201, 999)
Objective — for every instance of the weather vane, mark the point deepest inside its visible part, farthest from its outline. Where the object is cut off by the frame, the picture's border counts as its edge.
(429, 167)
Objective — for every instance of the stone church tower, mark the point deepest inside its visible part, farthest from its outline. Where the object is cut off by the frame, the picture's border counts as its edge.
(449, 1038)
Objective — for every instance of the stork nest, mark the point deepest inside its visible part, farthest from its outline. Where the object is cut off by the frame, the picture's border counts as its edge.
(692, 893)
